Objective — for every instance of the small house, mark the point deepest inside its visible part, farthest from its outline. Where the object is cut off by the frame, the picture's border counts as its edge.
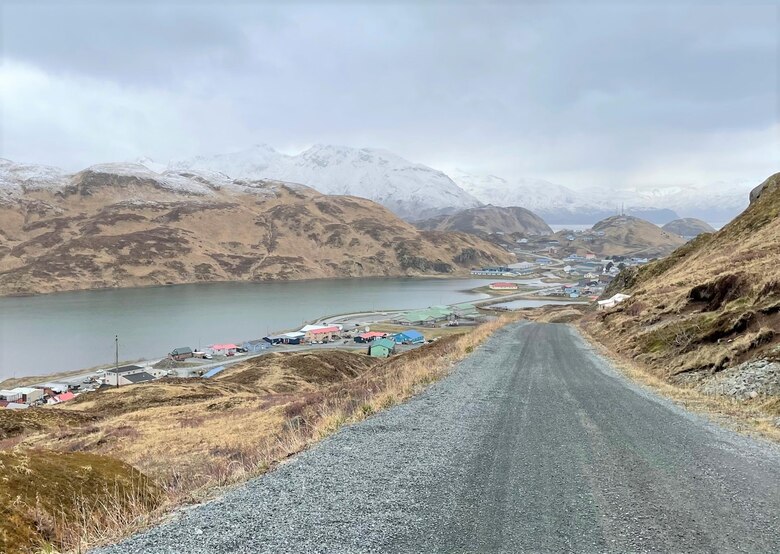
(30, 394)
(311, 327)
(255, 345)
(296, 337)
(10, 395)
(116, 376)
(135, 378)
(503, 286)
(226, 349)
(50, 389)
(369, 336)
(16, 406)
(381, 348)
(64, 397)
(410, 336)
(323, 334)
(181, 353)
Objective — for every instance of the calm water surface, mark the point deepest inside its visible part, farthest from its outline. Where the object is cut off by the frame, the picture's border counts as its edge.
(74, 330)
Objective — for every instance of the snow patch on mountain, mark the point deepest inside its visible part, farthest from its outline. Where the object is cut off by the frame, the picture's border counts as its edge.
(562, 205)
(411, 190)
(16, 177)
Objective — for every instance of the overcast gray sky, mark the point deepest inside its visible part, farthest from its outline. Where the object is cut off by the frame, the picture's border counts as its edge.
(634, 93)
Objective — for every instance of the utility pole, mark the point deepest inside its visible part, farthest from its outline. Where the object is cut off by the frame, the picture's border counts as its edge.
(116, 359)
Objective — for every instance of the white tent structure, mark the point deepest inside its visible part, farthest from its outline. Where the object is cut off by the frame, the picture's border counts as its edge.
(613, 301)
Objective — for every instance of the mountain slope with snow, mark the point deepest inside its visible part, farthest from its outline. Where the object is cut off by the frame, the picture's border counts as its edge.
(412, 191)
(556, 204)
(123, 225)
(718, 202)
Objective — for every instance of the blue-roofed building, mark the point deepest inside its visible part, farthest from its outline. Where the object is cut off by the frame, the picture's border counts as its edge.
(409, 336)
(212, 372)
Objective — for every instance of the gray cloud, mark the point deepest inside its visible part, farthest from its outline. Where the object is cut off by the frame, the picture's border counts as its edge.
(610, 93)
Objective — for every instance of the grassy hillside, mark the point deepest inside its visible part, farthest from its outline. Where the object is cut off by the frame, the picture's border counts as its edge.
(212, 432)
(487, 220)
(58, 500)
(688, 227)
(116, 228)
(712, 304)
(622, 235)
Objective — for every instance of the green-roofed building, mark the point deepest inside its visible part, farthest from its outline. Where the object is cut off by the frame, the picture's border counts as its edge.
(381, 348)
(466, 311)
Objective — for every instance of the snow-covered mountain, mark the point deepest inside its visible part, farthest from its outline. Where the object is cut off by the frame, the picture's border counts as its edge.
(411, 190)
(716, 203)
(18, 179)
(558, 204)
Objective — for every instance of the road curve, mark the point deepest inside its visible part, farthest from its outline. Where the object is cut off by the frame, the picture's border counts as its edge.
(534, 443)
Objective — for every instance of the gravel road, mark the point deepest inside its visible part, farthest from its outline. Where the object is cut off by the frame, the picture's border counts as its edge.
(534, 443)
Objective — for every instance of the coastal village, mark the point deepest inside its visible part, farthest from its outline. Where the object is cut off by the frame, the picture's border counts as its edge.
(575, 278)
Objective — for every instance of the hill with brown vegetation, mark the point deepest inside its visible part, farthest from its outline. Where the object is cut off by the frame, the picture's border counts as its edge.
(488, 220)
(213, 432)
(710, 307)
(688, 227)
(123, 225)
(44, 493)
(622, 235)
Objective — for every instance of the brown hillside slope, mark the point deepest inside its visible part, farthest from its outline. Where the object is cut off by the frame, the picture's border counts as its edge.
(624, 235)
(486, 220)
(688, 227)
(59, 499)
(711, 305)
(620, 236)
(122, 225)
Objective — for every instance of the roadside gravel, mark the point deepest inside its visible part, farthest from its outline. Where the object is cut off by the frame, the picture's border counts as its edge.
(533, 443)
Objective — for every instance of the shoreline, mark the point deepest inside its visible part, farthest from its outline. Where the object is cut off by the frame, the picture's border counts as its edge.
(482, 303)
(242, 281)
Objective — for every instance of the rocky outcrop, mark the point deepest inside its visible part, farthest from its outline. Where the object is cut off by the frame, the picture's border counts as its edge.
(771, 183)
(745, 381)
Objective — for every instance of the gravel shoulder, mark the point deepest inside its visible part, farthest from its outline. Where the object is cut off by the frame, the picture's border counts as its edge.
(533, 443)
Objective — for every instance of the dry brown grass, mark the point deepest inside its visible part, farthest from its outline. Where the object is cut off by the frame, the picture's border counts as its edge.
(711, 305)
(99, 240)
(194, 436)
(65, 501)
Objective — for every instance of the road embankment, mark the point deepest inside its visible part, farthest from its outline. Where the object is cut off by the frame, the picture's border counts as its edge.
(533, 443)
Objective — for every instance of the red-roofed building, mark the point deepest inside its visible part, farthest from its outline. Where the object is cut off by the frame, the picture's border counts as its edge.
(323, 334)
(368, 337)
(503, 286)
(64, 397)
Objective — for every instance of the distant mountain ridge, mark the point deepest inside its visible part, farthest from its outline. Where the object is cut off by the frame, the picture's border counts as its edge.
(688, 227)
(558, 204)
(124, 225)
(410, 190)
(622, 235)
(415, 191)
(488, 220)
